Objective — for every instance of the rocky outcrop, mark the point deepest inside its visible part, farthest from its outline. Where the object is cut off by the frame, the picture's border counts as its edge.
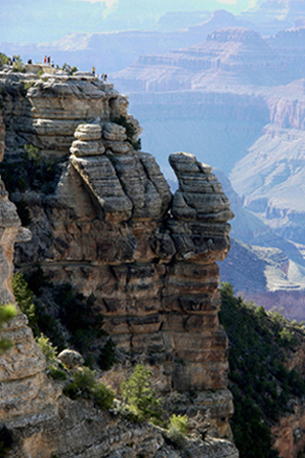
(289, 433)
(25, 389)
(81, 430)
(112, 229)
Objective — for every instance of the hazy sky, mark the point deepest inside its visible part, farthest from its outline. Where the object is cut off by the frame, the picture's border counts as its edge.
(47, 20)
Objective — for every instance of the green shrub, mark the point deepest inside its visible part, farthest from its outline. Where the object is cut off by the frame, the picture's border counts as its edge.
(177, 430)
(31, 153)
(90, 361)
(84, 379)
(103, 396)
(67, 68)
(286, 338)
(57, 374)
(82, 385)
(7, 312)
(138, 393)
(3, 59)
(71, 391)
(261, 312)
(18, 65)
(85, 385)
(49, 351)
(179, 422)
(25, 300)
(28, 84)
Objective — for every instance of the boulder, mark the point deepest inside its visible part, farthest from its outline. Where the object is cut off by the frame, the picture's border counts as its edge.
(88, 132)
(114, 132)
(71, 358)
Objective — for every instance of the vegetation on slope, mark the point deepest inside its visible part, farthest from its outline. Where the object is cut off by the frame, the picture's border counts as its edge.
(85, 385)
(67, 318)
(140, 396)
(263, 388)
(261, 344)
(7, 312)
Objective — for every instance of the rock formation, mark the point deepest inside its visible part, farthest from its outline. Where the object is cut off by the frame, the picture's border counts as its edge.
(240, 98)
(111, 227)
(27, 396)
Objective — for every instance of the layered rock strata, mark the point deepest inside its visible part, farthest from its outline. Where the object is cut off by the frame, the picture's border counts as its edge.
(26, 392)
(113, 229)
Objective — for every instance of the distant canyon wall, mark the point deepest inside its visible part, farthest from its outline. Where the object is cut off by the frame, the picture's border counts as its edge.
(216, 127)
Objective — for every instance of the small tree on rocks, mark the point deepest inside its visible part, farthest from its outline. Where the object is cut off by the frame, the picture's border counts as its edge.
(139, 394)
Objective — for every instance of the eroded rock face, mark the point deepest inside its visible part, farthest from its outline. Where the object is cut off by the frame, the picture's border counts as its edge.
(25, 389)
(81, 430)
(113, 229)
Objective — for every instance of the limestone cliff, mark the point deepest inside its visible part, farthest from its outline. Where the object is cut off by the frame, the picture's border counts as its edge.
(110, 226)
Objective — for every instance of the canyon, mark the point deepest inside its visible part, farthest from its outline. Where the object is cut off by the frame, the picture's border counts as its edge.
(236, 101)
(101, 217)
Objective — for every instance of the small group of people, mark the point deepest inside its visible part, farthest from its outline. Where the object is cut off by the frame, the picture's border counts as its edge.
(103, 76)
(11, 61)
(47, 61)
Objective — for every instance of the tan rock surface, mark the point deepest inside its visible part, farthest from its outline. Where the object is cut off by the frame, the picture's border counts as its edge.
(25, 389)
(82, 431)
(114, 132)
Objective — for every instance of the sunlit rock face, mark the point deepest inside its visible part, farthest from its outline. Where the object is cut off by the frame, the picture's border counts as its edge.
(111, 227)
